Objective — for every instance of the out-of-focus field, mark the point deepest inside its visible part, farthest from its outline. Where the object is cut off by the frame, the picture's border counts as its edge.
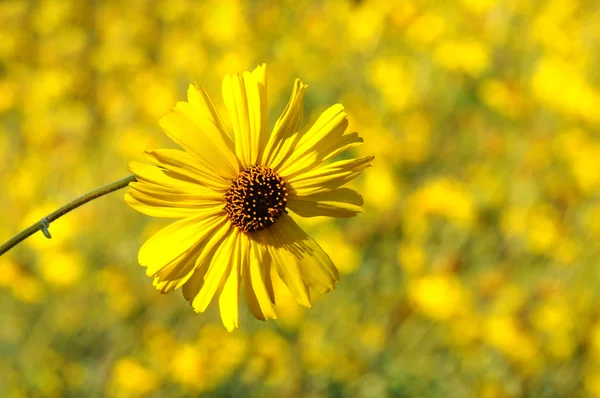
(473, 272)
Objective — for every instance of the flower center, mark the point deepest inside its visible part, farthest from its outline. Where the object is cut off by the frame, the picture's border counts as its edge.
(256, 199)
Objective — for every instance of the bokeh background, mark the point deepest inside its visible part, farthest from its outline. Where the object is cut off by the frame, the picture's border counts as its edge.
(473, 271)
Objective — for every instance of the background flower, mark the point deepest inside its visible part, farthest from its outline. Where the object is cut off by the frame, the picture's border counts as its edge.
(483, 118)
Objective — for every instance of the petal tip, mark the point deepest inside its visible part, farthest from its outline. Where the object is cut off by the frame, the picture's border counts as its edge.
(261, 68)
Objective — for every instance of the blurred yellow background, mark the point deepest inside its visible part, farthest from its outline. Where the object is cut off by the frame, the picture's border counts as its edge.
(472, 273)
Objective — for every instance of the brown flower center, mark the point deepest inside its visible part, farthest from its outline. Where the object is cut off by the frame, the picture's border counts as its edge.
(256, 199)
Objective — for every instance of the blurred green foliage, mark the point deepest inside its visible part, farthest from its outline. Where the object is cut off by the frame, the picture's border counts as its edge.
(472, 273)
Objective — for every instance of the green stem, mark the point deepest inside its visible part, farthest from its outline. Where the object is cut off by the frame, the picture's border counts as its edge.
(43, 224)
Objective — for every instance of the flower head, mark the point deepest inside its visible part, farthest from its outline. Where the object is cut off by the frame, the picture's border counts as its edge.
(232, 193)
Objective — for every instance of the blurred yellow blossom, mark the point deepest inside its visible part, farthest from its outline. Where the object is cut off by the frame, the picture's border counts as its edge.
(542, 229)
(446, 198)
(554, 319)
(415, 141)
(512, 221)
(189, 367)
(502, 98)
(392, 78)
(411, 257)
(468, 56)
(426, 28)
(62, 269)
(381, 189)
(591, 382)
(364, 27)
(512, 340)
(440, 297)
(466, 329)
(132, 379)
(270, 359)
(373, 336)
(8, 95)
(479, 6)
(22, 284)
(342, 252)
(213, 357)
(509, 299)
(113, 282)
(558, 83)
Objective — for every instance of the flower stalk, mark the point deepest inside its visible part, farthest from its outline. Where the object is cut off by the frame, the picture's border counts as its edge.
(44, 224)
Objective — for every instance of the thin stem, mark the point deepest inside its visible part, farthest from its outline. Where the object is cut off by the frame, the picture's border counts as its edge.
(44, 223)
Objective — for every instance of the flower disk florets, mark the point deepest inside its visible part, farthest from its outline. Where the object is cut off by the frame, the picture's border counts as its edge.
(256, 199)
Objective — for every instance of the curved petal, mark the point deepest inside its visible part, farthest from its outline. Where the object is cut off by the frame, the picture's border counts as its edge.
(197, 96)
(205, 118)
(317, 268)
(152, 196)
(199, 197)
(257, 282)
(183, 165)
(284, 136)
(156, 208)
(341, 144)
(164, 180)
(196, 281)
(340, 202)
(317, 143)
(193, 285)
(245, 97)
(220, 266)
(173, 242)
(287, 266)
(229, 299)
(299, 260)
(203, 142)
(328, 177)
(177, 274)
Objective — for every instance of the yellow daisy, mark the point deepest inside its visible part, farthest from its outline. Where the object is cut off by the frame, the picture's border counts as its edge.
(231, 192)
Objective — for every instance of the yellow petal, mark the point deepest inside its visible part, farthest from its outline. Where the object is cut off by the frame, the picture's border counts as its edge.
(174, 276)
(258, 100)
(156, 196)
(256, 281)
(229, 299)
(204, 147)
(245, 97)
(193, 285)
(211, 131)
(184, 200)
(172, 242)
(218, 270)
(283, 138)
(151, 208)
(183, 166)
(341, 144)
(340, 202)
(196, 281)
(197, 96)
(316, 143)
(328, 177)
(287, 260)
(162, 179)
(315, 266)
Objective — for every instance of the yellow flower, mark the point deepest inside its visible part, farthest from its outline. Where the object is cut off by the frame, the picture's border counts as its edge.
(232, 193)
(130, 376)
